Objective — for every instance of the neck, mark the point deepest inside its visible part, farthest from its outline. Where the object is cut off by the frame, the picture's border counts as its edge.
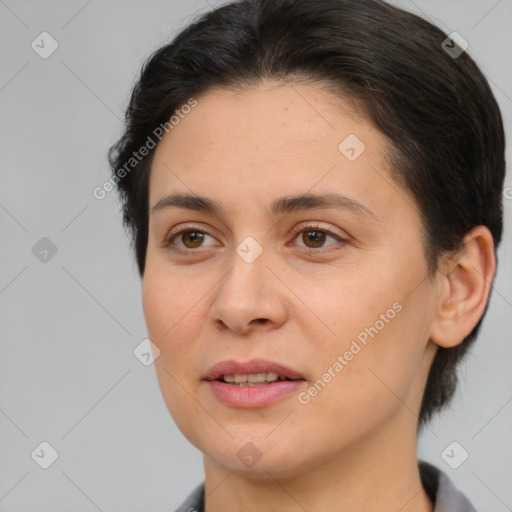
(378, 473)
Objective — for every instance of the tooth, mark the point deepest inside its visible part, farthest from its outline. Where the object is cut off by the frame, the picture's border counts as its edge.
(256, 377)
(252, 379)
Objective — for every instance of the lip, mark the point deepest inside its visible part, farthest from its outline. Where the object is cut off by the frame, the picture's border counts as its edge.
(232, 367)
(252, 396)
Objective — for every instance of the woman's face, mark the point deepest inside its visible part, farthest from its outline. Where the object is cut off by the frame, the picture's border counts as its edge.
(333, 288)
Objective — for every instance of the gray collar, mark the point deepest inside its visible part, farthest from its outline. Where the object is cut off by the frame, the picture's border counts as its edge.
(442, 491)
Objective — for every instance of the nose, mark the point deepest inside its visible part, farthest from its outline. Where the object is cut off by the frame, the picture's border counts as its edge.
(249, 297)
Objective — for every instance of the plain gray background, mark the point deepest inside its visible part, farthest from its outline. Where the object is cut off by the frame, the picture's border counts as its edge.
(69, 325)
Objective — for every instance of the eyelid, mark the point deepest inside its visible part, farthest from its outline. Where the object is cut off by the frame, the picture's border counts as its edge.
(185, 227)
(312, 225)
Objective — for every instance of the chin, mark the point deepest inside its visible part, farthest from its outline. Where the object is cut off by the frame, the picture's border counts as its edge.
(255, 456)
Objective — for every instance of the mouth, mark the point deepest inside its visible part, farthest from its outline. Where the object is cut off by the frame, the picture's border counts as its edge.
(255, 371)
(254, 379)
(255, 383)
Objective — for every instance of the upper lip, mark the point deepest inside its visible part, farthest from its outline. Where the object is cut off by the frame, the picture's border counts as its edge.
(232, 367)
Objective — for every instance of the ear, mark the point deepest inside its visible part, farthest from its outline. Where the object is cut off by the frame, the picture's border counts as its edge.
(464, 285)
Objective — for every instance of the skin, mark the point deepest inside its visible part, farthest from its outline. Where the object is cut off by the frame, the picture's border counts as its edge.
(353, 446)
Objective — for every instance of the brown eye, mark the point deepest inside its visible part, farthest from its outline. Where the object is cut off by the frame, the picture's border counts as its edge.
(314, 238)
(192, 239)
(187, 240)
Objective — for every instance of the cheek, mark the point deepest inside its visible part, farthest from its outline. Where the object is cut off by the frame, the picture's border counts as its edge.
(373, 339)
(343, 305)
(169, 315)
(167, 307)
(175, 311)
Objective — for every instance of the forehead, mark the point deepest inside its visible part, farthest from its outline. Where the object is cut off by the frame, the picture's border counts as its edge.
(270, 112)
(267, 140)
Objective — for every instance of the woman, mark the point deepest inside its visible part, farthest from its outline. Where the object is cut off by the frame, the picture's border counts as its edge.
(313, 188)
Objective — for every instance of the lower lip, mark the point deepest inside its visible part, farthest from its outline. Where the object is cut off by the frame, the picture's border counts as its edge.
(253, 396)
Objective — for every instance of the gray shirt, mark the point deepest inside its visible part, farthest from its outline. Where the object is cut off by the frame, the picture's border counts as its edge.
(438, 486)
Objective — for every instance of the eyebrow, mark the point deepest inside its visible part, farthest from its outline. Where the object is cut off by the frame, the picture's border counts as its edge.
(282, 205)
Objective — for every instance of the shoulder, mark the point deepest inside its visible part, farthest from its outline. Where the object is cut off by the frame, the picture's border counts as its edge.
(442, 491)
(194, 501)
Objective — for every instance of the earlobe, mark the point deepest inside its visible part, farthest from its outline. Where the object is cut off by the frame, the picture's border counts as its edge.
(466, 280)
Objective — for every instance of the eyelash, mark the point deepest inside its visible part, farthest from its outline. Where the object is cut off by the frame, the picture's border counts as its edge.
(297, 231)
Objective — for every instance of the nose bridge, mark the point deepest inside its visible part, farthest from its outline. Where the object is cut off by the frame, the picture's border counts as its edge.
(246, 292)
(248, 268)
